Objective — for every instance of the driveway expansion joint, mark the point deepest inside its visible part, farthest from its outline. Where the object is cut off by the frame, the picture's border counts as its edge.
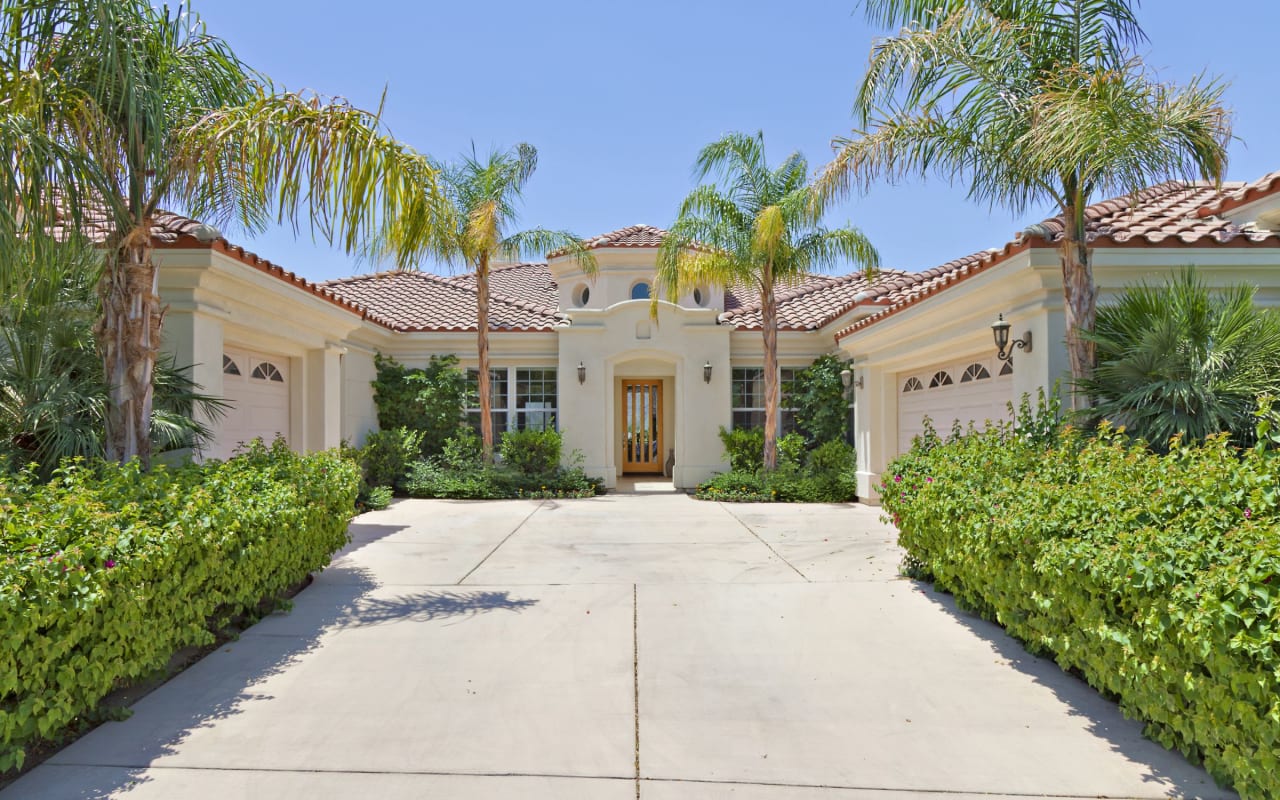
(499, 545)
(759, 539)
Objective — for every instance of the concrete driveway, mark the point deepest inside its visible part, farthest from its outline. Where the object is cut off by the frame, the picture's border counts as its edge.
(643, 645)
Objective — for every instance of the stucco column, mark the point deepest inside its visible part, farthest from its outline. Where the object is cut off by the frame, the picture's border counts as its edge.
(875, 429)
(194, 340)
(322, 401)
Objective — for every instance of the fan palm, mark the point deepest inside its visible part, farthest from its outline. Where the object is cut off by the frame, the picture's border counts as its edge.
(111, 110)
(1181, 359)
(1028, 101)
(761, 230)
(483, 193)
(52, 396)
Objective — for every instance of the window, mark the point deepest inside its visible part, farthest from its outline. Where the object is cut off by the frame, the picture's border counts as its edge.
(975, 372)
(266, 371)
(747, 398)
(498, 395)
(532, 404)
(1007, 369)
(913, 385)
(640, 291)
(535, 399)
(698, 297)
(940, 378)
(581, 295)
(229, 366)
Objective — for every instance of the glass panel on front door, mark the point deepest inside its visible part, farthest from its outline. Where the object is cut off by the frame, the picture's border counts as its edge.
(642, 442)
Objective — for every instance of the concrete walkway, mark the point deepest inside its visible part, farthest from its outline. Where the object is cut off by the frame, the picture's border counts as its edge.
(643, 645)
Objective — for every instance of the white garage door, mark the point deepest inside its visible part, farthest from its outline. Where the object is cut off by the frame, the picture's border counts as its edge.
(257, 387)
(973, 390)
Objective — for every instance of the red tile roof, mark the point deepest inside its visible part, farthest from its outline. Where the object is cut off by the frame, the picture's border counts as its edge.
(630, 236)
(1173, 214)
(812, 303)
(422, 301)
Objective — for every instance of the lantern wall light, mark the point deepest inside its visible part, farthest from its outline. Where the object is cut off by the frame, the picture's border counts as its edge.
(1005, 348)
(582, 373)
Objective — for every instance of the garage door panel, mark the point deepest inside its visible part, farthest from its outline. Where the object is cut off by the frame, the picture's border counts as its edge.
(257, 387)
(968, 391)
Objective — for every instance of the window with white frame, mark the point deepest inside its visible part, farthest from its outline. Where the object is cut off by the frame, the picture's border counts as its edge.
(498, 397)
(747, 397)
(532, 404)
(535, 399)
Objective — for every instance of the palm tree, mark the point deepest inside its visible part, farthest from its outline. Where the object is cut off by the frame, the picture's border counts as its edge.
(763, 230)
(483, 193)
(1028, 101)
(112, 110)
(1180, 359)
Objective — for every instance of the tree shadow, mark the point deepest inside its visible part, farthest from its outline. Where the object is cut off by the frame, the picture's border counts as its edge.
(115, 758)
(1166, 769)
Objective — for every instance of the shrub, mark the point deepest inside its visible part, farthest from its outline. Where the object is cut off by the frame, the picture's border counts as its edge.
(533, 470)
(532, 452)
(377, 498)
(109, 570)
(1151, 575)
(826, 477)
(387, 454)
(1180, 359)
(430, 400)
(822, 412)
(744, 447)
(735, 486)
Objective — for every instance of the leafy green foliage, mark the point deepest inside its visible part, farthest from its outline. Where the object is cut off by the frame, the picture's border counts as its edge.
(53, 396)
(1152, 575)
(108, 570)
(822, 475)
(387, 454)
(531, 469)
(378, 498)
(744, 447)
(428, 400)
(532, 452)
(1182, 360)
(822, 412)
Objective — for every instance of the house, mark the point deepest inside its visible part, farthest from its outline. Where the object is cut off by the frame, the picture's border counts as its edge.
(635, 394)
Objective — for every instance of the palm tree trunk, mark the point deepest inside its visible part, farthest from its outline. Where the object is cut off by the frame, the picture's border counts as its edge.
(769, 318)
(128, 341)
(1081, 296)
(483, 387)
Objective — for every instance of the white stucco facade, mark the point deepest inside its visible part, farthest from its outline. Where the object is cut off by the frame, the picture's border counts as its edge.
(918, 344)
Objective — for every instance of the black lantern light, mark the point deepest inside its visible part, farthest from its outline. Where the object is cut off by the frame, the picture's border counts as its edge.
(582, 373)
(1000, 329)
(706, 372)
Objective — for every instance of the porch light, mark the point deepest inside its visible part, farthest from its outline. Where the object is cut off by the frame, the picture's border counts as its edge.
(706, 372)
(846, 380)
(1000, 329)
(582, 373)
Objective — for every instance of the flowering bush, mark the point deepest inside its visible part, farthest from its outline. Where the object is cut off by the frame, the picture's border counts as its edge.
(1154, 576)
(107, 571)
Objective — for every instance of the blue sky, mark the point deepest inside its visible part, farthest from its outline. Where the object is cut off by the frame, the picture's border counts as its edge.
(619, 97)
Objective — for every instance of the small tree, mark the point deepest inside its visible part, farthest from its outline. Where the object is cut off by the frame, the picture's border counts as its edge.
(761, 229)
(428, 401)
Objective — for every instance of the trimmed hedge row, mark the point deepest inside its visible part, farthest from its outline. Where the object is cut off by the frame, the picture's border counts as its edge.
(107, 571)
(1154, 577)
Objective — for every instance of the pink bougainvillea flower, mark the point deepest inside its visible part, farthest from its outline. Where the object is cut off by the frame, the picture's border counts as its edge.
(897, 479)
(109, 563)
(928, 480)
(1248, 513)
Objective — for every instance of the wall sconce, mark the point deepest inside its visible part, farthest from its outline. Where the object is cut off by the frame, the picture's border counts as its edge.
(846, 379)
(1000, 329)
(582, 373)
(706, 372)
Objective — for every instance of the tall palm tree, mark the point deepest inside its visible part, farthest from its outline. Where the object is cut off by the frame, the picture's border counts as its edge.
(483, 194)
(761, 229)
(111, 110)
(1028, 101)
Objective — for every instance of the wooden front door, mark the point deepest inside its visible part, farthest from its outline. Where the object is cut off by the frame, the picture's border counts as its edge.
(643, 445)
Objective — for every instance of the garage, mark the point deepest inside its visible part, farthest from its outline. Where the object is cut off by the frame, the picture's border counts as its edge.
(257, 387)
(973, 390)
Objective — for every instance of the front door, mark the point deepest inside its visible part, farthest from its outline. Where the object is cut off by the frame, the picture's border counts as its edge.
(642, 440)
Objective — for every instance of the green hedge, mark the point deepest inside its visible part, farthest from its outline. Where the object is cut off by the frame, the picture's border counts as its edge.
(107, 571)
(1154, 577)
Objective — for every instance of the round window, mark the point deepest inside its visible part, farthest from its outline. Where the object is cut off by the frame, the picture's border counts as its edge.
(640, 291)
(698, 297)
(581, 295)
